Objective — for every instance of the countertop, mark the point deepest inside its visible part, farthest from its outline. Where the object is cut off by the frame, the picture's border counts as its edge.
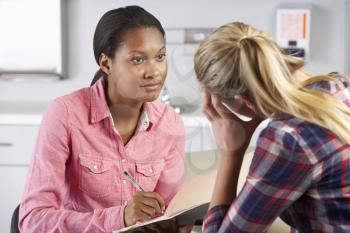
(14, 113)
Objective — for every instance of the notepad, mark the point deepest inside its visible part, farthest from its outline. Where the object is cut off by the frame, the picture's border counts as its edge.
(189, 204)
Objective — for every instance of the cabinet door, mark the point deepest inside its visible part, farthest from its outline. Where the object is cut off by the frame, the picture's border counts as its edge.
(208, 139)
(12, 179)
(199, 138)
(16, 148)
(193, 139)
(17, 144)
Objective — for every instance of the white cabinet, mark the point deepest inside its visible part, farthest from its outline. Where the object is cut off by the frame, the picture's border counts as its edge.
(12, 183)
(199, 136)
(16, 144)
(16, 148)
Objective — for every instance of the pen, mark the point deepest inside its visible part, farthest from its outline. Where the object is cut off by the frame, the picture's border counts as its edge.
(133, 181)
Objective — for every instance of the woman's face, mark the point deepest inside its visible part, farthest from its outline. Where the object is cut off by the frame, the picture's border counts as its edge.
(139, 68)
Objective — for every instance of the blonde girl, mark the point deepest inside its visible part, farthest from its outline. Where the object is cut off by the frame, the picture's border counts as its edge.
(300, 170)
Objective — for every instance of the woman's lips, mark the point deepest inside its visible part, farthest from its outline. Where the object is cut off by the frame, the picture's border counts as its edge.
(151, 86)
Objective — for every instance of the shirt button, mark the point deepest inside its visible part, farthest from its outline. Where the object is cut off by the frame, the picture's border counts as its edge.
(95, 167)
(124, 181)
(150, 170)
(125, 203)
(123, 160)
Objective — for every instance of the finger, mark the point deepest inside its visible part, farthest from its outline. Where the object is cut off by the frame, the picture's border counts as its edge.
(159, 199)
(208, 108)
(144, 198)
(140, 215)
(152, 203)
(154, 200)
(245, 107)
(222, 110)
(207, 116)
(206, 105)
(240, 106)
(148, 210)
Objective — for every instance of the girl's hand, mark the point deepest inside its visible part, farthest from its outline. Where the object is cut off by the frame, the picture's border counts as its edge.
(230, 132)
(143, 206)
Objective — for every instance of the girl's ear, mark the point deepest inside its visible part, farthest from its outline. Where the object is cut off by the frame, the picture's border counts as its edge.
(105, 63)
(244, 100)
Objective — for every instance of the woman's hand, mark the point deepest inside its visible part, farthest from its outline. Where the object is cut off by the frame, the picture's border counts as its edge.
(230, 132)
(143, 206)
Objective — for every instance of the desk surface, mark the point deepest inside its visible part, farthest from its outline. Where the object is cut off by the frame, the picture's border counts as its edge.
(197, 162)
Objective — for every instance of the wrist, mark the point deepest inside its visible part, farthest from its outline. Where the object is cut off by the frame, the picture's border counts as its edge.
(126, 218)
(228, 169)
(232, 154)
(230, 163)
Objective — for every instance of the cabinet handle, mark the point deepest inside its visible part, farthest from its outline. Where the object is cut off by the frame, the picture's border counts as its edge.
(6, 144)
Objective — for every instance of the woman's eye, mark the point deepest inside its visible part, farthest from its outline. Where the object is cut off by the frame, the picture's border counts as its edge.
(161, 57)
(137, 60)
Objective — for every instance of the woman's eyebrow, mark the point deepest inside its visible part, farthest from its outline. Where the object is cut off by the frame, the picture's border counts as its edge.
(143, 52)
(162, 48)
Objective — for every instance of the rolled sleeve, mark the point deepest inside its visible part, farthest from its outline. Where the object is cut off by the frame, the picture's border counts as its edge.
(213, 219)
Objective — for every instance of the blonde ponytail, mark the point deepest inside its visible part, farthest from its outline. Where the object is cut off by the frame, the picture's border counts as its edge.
(238, 59)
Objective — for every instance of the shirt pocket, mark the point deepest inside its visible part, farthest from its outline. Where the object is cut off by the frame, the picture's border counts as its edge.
(95, 176)
(148, 174)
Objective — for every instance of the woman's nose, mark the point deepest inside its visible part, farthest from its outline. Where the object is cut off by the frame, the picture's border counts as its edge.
(152, 70)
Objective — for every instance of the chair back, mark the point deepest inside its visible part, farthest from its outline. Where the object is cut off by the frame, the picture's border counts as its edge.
(14, 221)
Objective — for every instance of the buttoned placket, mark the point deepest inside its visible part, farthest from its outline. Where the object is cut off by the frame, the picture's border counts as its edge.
(124, 169)
(142, 126)
(124, 181)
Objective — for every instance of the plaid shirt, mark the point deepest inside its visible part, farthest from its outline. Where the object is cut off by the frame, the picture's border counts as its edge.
(299, 172)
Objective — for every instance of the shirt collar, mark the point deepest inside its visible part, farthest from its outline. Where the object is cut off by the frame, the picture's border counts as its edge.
(145, 122)
(99, 109)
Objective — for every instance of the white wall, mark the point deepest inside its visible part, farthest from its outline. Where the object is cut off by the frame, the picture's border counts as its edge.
(327, 49)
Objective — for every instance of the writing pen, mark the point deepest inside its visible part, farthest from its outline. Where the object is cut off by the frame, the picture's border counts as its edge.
(133, 181)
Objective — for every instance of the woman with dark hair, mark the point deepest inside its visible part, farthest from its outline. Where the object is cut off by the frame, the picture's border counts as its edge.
(89, 138)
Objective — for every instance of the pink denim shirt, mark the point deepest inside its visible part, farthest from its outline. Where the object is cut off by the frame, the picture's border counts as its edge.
(75, 181)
